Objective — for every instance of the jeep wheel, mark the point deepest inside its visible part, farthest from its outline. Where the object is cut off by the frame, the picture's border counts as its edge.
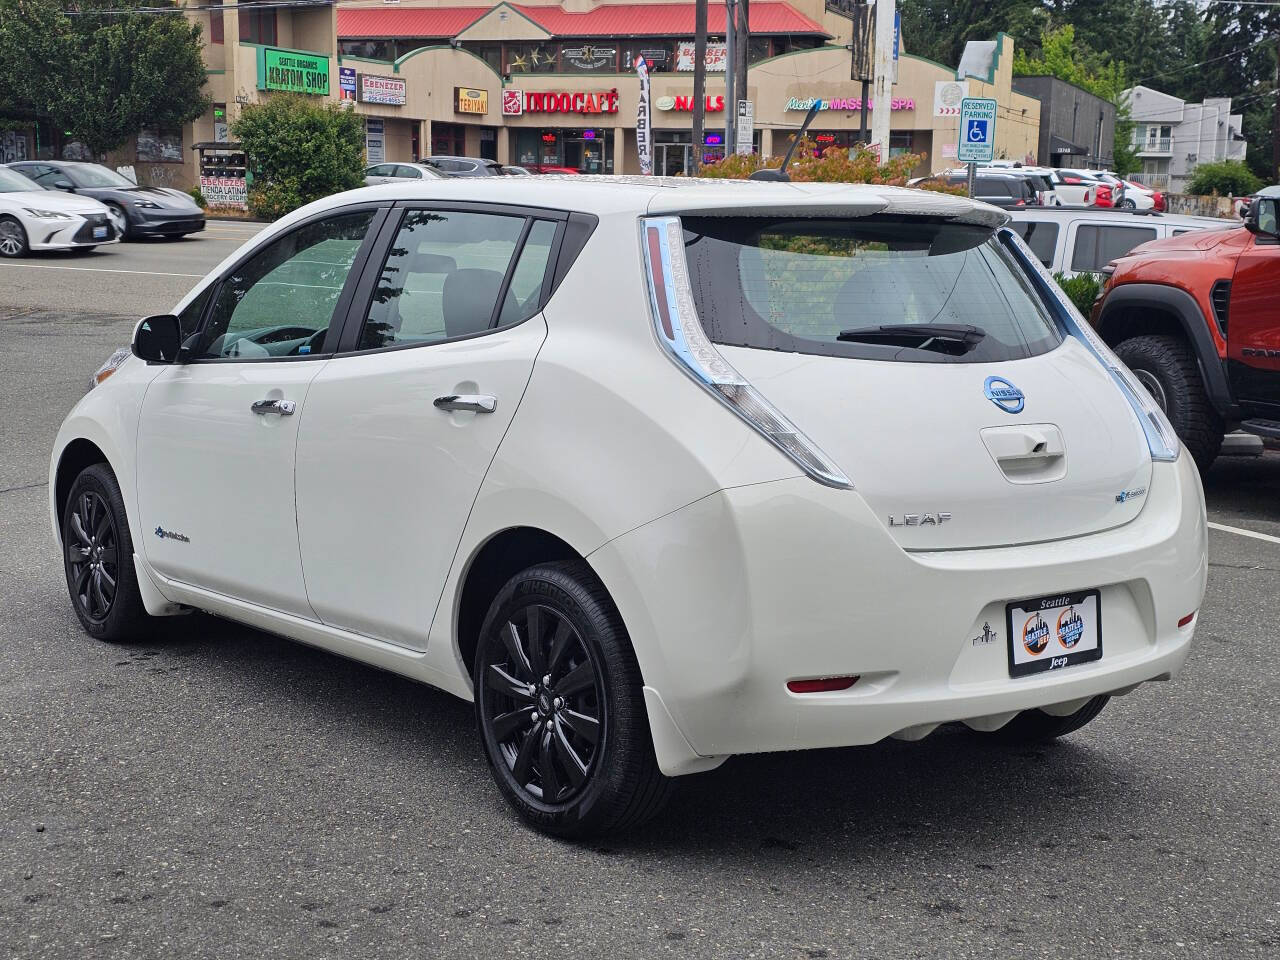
(1167, 367)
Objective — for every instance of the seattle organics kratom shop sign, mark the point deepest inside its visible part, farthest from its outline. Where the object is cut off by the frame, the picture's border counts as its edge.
(293, 71)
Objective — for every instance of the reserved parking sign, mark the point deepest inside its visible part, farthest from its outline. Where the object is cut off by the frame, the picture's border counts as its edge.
(977, 130)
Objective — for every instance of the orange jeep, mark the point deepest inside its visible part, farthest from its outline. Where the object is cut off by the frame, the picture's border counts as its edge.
(1197, 319)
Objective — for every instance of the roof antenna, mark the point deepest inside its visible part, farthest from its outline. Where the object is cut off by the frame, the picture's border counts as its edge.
(780, 174)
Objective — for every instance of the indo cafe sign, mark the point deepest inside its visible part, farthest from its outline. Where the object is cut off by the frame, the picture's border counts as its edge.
(518, 102)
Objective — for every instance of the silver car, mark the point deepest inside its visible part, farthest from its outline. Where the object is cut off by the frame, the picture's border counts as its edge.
(395, 172)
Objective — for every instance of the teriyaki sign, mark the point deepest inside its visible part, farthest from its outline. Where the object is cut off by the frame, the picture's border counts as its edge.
(293, 71)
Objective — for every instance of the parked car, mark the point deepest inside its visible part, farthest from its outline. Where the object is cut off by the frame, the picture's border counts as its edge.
(464, 166)
(1242, 203)
(1074, 188)
(643, 494)
(999, 189)
(1040, 178)
(1195, 319)
(1138, 197)
(514, 170)
(547, 169)
(1084, 240)
(392, 172)
(135, 211)
(31, 218)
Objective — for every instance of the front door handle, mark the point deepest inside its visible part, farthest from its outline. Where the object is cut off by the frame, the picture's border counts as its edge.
(283, 407)
(474, 402)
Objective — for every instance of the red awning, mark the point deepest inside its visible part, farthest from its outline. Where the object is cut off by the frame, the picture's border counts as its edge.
(440, 22)
(608, 20)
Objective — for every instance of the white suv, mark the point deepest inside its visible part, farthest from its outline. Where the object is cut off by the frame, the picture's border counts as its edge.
(657, 471)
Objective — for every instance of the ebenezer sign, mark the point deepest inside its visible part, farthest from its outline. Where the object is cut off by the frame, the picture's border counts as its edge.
(293, 72)
(388, 90)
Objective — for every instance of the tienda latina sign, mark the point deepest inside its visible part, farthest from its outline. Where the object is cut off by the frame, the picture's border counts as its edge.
(293, 71)
(848, 103)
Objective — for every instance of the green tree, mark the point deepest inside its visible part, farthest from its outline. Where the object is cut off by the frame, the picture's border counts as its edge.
(299, 150)
(1226, 177)
(100, 75)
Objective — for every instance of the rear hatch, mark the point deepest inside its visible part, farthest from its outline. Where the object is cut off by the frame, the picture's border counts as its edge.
(916, 355)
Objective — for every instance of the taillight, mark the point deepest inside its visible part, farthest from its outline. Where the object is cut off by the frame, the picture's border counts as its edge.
(675, 320)
(821, 684)
(1102, 196)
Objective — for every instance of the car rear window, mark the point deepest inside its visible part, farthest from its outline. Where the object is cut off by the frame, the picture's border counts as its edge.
(796, 284)
(1098, 244)
(1041, 236)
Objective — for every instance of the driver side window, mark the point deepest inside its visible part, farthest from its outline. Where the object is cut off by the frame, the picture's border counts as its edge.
(280, 302)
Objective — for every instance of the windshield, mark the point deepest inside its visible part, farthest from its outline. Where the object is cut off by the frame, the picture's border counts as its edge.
(853, 288)
(11, 181)
(96, 175)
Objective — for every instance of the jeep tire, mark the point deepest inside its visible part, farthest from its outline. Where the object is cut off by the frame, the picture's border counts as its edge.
(1167, 367)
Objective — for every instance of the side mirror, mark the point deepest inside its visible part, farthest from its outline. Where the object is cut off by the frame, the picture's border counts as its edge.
(1263, 217)
(66, 185)
(158, 339)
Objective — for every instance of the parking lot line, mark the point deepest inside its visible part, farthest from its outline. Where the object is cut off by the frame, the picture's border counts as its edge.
(141, 273)
(1244, 533)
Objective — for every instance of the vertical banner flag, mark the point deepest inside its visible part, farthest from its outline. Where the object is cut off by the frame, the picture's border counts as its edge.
(644, 131)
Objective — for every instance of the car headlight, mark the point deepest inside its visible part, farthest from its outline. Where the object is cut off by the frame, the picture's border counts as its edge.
(146, 203)
(114, 363)
(46, 214)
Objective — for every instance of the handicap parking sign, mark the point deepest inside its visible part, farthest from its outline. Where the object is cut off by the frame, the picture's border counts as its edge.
(977, 130)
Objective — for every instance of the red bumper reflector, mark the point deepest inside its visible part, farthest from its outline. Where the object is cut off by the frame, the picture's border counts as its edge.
(821, 684)
(1187, 619)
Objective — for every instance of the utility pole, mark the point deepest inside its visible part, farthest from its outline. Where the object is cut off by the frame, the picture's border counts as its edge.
(1275, 118)
(881, 111)
(743, 58)
(699, 84)
(730, 96)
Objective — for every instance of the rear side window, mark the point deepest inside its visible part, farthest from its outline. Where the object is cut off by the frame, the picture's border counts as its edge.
(854, 288)
(1041, 236)
(1098, 244)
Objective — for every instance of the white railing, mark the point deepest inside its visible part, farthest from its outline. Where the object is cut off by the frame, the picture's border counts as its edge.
(1155, 181)
(1155, 145)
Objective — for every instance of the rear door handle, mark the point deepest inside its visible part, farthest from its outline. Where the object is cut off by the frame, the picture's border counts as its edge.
(474, 402)
(283, 407)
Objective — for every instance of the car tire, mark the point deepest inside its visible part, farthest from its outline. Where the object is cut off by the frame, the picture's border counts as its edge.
(1127, 205)
(1036, 726)
(120, 220)
(571, 749)
(1167, 367)
(13, 238)
(97, 553)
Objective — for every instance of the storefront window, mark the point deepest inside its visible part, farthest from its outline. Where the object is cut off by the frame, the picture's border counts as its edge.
(215, 26)
(159, 146)
(257, 26)
(369, 49)
(585, 149)
(448, 140)
(659, 54)
(530, 58)
(490, 53)
(587, 57)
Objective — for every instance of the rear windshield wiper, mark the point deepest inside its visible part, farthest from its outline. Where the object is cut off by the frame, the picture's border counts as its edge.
(952, 338)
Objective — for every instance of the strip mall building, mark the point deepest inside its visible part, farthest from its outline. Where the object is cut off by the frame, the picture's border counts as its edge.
(554, 83)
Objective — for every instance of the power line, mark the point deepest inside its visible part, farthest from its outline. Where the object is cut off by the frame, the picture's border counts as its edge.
(247, 7)
(1189, 66)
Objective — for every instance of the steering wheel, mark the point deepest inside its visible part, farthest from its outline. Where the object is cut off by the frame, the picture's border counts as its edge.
(314, 341)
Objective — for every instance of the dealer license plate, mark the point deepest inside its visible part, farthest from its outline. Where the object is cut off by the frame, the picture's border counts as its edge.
(99, 233)
(1049, 633)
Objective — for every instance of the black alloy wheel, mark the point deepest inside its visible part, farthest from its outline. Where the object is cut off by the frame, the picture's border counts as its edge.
(93, 556)
(544, 703)
(97, 553)
(560, 706)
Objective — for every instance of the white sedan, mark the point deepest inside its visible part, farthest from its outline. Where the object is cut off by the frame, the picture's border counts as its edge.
(32, 218)
(655, 470)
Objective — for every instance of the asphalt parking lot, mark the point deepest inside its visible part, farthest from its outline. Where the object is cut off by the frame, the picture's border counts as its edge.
(224, 793)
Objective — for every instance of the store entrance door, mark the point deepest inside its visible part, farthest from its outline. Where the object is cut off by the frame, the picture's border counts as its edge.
(672, 159)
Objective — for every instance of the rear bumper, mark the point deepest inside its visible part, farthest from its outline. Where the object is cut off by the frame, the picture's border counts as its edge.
(732, 596)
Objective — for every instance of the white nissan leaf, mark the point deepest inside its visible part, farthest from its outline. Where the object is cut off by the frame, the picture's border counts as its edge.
(655, 471)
